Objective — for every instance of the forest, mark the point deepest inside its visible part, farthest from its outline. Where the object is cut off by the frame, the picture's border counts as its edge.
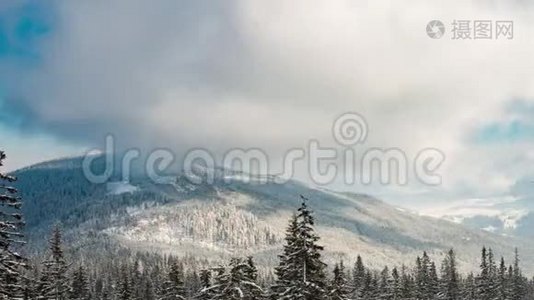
(301, 273)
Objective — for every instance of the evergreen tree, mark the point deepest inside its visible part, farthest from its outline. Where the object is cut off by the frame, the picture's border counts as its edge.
(408, 288)
(235, 284)
(173, 287)
(205, 286)
(516, 280)
(502, 284)
(469, 291)
(483, 279)
(339, 289)
(396, 285)
(301, 272)
(11, 223)
(54, 284)
(449, 285)
(358, 276)
(80, 287)
(124, 289)
(385, 292)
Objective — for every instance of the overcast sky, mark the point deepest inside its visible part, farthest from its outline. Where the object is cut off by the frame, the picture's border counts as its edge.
(273, 75)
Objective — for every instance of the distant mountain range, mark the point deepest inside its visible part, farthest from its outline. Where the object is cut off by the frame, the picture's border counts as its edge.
(228, 218)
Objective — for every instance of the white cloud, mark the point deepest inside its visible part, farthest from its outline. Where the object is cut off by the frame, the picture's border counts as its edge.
(273, 74)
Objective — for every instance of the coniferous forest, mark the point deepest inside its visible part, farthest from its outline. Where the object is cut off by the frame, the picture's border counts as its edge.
(301, 273)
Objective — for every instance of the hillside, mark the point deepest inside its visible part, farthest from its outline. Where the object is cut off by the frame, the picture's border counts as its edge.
(224, 219)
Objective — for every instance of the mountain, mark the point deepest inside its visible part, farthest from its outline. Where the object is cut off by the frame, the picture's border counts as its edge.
(512, 216)
(232, 217)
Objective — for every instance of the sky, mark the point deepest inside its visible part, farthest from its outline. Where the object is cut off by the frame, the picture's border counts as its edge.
(273, 75)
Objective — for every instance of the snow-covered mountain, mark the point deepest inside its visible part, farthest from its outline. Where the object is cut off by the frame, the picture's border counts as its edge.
(228, 218)
(511, 216)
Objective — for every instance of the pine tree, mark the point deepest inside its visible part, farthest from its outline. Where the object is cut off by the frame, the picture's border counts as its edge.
(11, 223)
(358, 276)
(385, 287)
(502, 284)
(301, 272)
(408, 288)
(173, 287)
(483, 281)
(516, 281)
(235, 284)
(492, 292)
(449, 285)
(205, 286)
(469, 291)
(124, 289)
(54, 284)
(80, 287)
(339, 289)
(396, 285)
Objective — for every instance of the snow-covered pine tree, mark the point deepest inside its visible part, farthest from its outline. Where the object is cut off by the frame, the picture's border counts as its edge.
(11, 223)
(339, 288)
(54, 284)
(483, 279)
(502, 281)
(385, 286)
(124, 289)
(469, 290)
(79, 289)
(433, 283)
(173, 287)
(301, 271)
(517, 288)
(252, 286)
(235, 284)
(205, 286)
(396, 284)
(449, 284)
(407, 284)
(493, 291)
(358, 276)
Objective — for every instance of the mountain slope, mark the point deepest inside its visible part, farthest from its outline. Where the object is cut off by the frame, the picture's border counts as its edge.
(223, 219)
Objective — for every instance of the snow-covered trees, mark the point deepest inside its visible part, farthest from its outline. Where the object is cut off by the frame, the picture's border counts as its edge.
(339, 288)
(173, 287)
(301, 272)
(54, 284)
(449, 283)
(79, 289)
(11, 223)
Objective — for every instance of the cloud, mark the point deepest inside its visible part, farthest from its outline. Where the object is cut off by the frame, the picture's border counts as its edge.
(273, 74)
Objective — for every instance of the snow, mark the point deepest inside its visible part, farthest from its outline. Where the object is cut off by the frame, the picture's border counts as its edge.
(121, 187)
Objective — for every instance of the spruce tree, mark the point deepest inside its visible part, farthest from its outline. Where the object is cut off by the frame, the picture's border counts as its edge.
(449, 285)
(301, 271)
(173, 287)
(516, 282)
(339, 289)
(502, 284)
(235, 283)
(385, 287)
(11, 223)
(80, 286)
(358, 276)
(124, 289)
(205, 286)
(54, 284)
(396, 285)
(482, 281)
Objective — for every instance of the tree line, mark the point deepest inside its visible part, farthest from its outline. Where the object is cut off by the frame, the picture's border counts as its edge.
(301, 273)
